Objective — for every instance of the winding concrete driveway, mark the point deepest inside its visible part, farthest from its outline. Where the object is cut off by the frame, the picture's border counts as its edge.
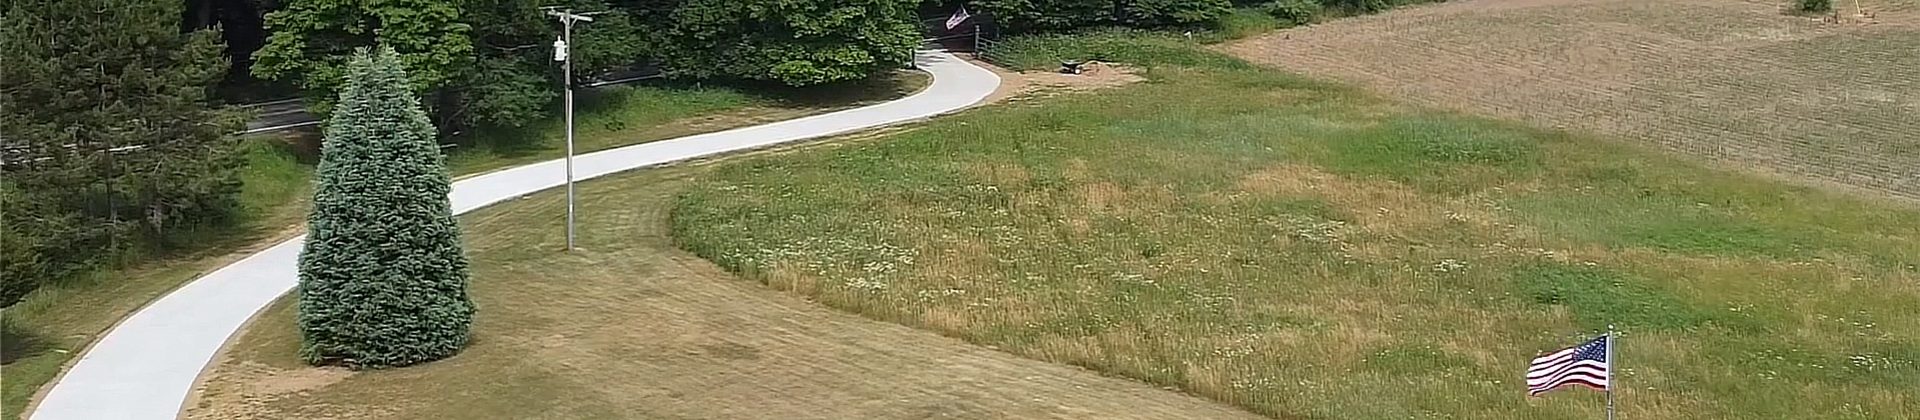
(145, 367)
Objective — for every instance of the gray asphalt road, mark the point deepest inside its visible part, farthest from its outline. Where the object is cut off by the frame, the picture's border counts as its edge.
(279, 115)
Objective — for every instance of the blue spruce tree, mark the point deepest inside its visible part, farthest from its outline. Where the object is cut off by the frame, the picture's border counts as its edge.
(383, 280)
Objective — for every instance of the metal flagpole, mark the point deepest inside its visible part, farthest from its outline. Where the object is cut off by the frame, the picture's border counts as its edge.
(1612, 377)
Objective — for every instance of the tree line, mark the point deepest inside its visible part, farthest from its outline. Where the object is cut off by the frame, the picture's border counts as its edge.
(114, 143)
(109, 142)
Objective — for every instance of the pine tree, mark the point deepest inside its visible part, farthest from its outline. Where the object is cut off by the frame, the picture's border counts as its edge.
(108, 139)
(383, 280)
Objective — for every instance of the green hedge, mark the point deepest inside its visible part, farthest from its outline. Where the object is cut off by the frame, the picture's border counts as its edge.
(1297, 12)
(1054, 15)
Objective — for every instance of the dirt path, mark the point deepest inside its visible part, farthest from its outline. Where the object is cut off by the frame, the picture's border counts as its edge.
(1824, 99)
(634, 328)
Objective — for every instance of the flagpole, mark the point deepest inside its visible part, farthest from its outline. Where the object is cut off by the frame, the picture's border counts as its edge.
(1613, 369)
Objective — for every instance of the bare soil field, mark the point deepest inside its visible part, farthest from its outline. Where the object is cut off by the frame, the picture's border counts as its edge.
(630, 327)
(1831, 99)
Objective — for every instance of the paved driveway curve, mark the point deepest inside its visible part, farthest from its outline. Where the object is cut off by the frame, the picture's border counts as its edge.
(145, 367)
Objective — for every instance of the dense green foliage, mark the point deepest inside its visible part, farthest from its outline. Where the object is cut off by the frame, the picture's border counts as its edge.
(110, 144)
(1146, 49)
(383, 279)
(487, 63)
(1301, 12)
(1360, 6)
(1026, 16)
(1298, 12)
(311, 40)
(1246, 22)
(794, 43)
(1146, 13)
(1816, 5)
(1041, 15)
(512, 78)
(480, 63)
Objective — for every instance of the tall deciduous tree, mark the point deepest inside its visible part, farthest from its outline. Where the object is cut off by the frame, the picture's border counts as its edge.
(513, 77)
(108, 141)
(479, 63)
(1150, 13)
(1036, 15)
(793, 42)
(311, 41)
(383, 279)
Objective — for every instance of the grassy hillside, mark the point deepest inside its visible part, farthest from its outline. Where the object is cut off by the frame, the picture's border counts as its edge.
(1310, 251)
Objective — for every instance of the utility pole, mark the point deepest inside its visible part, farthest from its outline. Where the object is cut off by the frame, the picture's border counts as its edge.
(560, 54)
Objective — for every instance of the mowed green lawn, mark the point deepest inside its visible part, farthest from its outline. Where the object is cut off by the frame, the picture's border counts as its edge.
(1309, 251)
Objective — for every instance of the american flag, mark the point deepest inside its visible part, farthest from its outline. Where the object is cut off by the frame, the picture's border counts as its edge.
(1585, 364)
(959, 16)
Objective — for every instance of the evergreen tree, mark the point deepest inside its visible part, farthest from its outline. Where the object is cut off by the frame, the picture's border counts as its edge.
(383, 280)
(109, 141)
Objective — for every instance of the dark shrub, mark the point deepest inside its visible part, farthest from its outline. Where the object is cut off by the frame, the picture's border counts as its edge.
(1298, 12)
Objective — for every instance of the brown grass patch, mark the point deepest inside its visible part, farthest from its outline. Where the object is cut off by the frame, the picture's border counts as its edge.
(947, 320)
(1379, 208)
(277, 382)
(634, 328)
(1077, 170)
(1023, 86)
(1738, 82)
(1100, 197)
(1003, 175)
(1213, 379)
(789, 276)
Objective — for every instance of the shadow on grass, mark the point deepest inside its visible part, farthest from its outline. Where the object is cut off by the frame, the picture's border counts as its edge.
(635, 113)
(16, 343)
(875, 89)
